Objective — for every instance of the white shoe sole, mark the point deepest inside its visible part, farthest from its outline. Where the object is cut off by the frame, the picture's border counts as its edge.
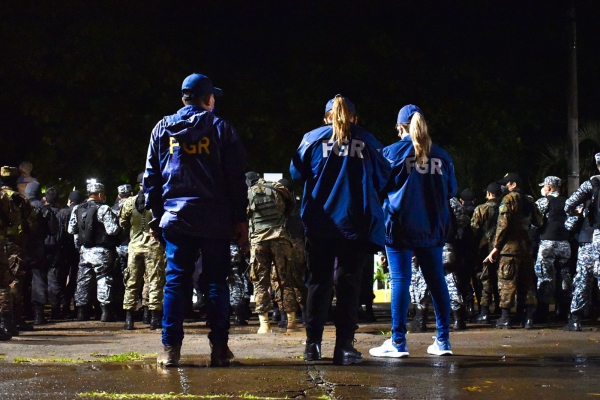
(389, 354)
(439, 352)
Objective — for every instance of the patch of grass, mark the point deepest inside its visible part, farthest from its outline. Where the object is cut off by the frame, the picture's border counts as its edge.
(1, 358)
(385, 333)
(116, 358)
(48, 360)
(325, 397)
(172, 395)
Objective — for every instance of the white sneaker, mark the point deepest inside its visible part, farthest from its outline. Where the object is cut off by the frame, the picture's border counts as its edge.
(388, 349)
(440, 348)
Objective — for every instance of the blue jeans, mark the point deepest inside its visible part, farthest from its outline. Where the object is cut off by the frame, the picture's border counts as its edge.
(182, 252)
(430, 260)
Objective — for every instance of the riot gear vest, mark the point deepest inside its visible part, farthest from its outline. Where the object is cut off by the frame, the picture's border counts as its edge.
(92, 232)
(267, 206)
(554, 226)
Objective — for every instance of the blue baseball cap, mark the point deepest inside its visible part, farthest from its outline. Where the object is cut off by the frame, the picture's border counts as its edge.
(349, 104)
(407, 112)
(597, 157)
(199, 86)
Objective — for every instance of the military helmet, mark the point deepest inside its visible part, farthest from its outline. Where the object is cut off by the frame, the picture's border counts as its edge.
(94, 187)
(124, 190)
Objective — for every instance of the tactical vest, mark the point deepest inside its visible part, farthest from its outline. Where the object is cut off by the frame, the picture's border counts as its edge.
(267, 206)
(554, 226)
(92, 233)
(595, 204)
(140, 220)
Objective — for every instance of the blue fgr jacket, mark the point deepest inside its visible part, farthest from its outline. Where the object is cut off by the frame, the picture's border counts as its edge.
(194, 180)
(341, 183)
(416, 204)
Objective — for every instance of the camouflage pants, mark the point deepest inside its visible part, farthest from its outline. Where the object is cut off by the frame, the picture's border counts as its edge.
(515, 278)
(144, 267)
(95, 262)
(551, 253)
(5, 280)
(296, 275)
(262, 256)
(596, 252)
(238, 288)
(419, 293)
(584, 278)
(489, 280)
(18, 271)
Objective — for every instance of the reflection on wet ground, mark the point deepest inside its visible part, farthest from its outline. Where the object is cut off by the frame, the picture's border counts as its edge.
(418, 377)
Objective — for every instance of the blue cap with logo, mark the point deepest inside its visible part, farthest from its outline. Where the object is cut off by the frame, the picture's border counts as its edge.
(349, 104)
(407, 112)
(198, 85)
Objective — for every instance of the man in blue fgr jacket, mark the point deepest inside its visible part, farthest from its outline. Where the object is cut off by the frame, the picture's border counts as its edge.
(195, 186)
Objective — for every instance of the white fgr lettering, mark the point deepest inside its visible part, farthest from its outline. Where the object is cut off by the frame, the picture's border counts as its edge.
(357, 148)
(353, 148)
(327, 146)
(436, 166)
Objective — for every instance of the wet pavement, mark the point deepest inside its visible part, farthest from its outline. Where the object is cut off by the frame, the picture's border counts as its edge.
(542, 363)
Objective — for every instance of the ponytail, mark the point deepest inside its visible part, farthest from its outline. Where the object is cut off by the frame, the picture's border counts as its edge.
(341, 119)
(420, 138)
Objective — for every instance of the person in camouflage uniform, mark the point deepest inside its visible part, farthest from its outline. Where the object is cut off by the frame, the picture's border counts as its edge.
(146, 262)
(124, 192)
(20, 222)
(95, 226)
(269, 205)
(515, 267)
(584, 275)
(554, 249)
(483, 225)
(588, 194)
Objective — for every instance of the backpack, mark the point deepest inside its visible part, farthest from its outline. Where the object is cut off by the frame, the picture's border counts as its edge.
(87, 222)
(51, 225)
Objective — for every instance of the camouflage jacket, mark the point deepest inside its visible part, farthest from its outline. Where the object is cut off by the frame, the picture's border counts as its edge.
(275, 232)
(136, 222)
(515, 214)
(17, 217)
(483, 223)
(581, 195)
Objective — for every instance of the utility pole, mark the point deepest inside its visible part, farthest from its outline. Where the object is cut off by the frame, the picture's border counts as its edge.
(573, 113)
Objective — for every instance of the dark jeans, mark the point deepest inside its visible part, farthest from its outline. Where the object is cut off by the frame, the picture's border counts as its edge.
(320, 259)
(430, 261)
(182, 252)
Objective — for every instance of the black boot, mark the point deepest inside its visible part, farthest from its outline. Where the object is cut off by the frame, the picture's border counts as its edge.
(67, 313)
(484, 316)
(128, 320)
(107, 314)
(21, 323)
(220, 355)
(56, 313)
(369, 313)
(7, 325)
(83, 313)
(146, 315)
(38, 316)
(344, 353)
(529, 317)
(312, 352)
(240, 315)
(276, 316)
(562, 311)
(459, 319)
(419, 321)
(504, 321)
(4, 335)
(574, 323)
(541, 313)
(283, 322)
(156, 319)
(470, 311)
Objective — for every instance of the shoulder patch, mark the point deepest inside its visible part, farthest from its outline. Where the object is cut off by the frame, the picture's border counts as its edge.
(502, 209)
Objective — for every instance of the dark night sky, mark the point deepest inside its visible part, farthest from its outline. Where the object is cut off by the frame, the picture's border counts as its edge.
(84, 84)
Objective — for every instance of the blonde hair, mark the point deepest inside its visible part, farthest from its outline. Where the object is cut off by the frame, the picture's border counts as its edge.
(341, 119)
(417, 129)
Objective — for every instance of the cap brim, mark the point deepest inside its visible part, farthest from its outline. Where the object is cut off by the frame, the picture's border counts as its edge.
(542, 184)
(502, 181)
(218, 92)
